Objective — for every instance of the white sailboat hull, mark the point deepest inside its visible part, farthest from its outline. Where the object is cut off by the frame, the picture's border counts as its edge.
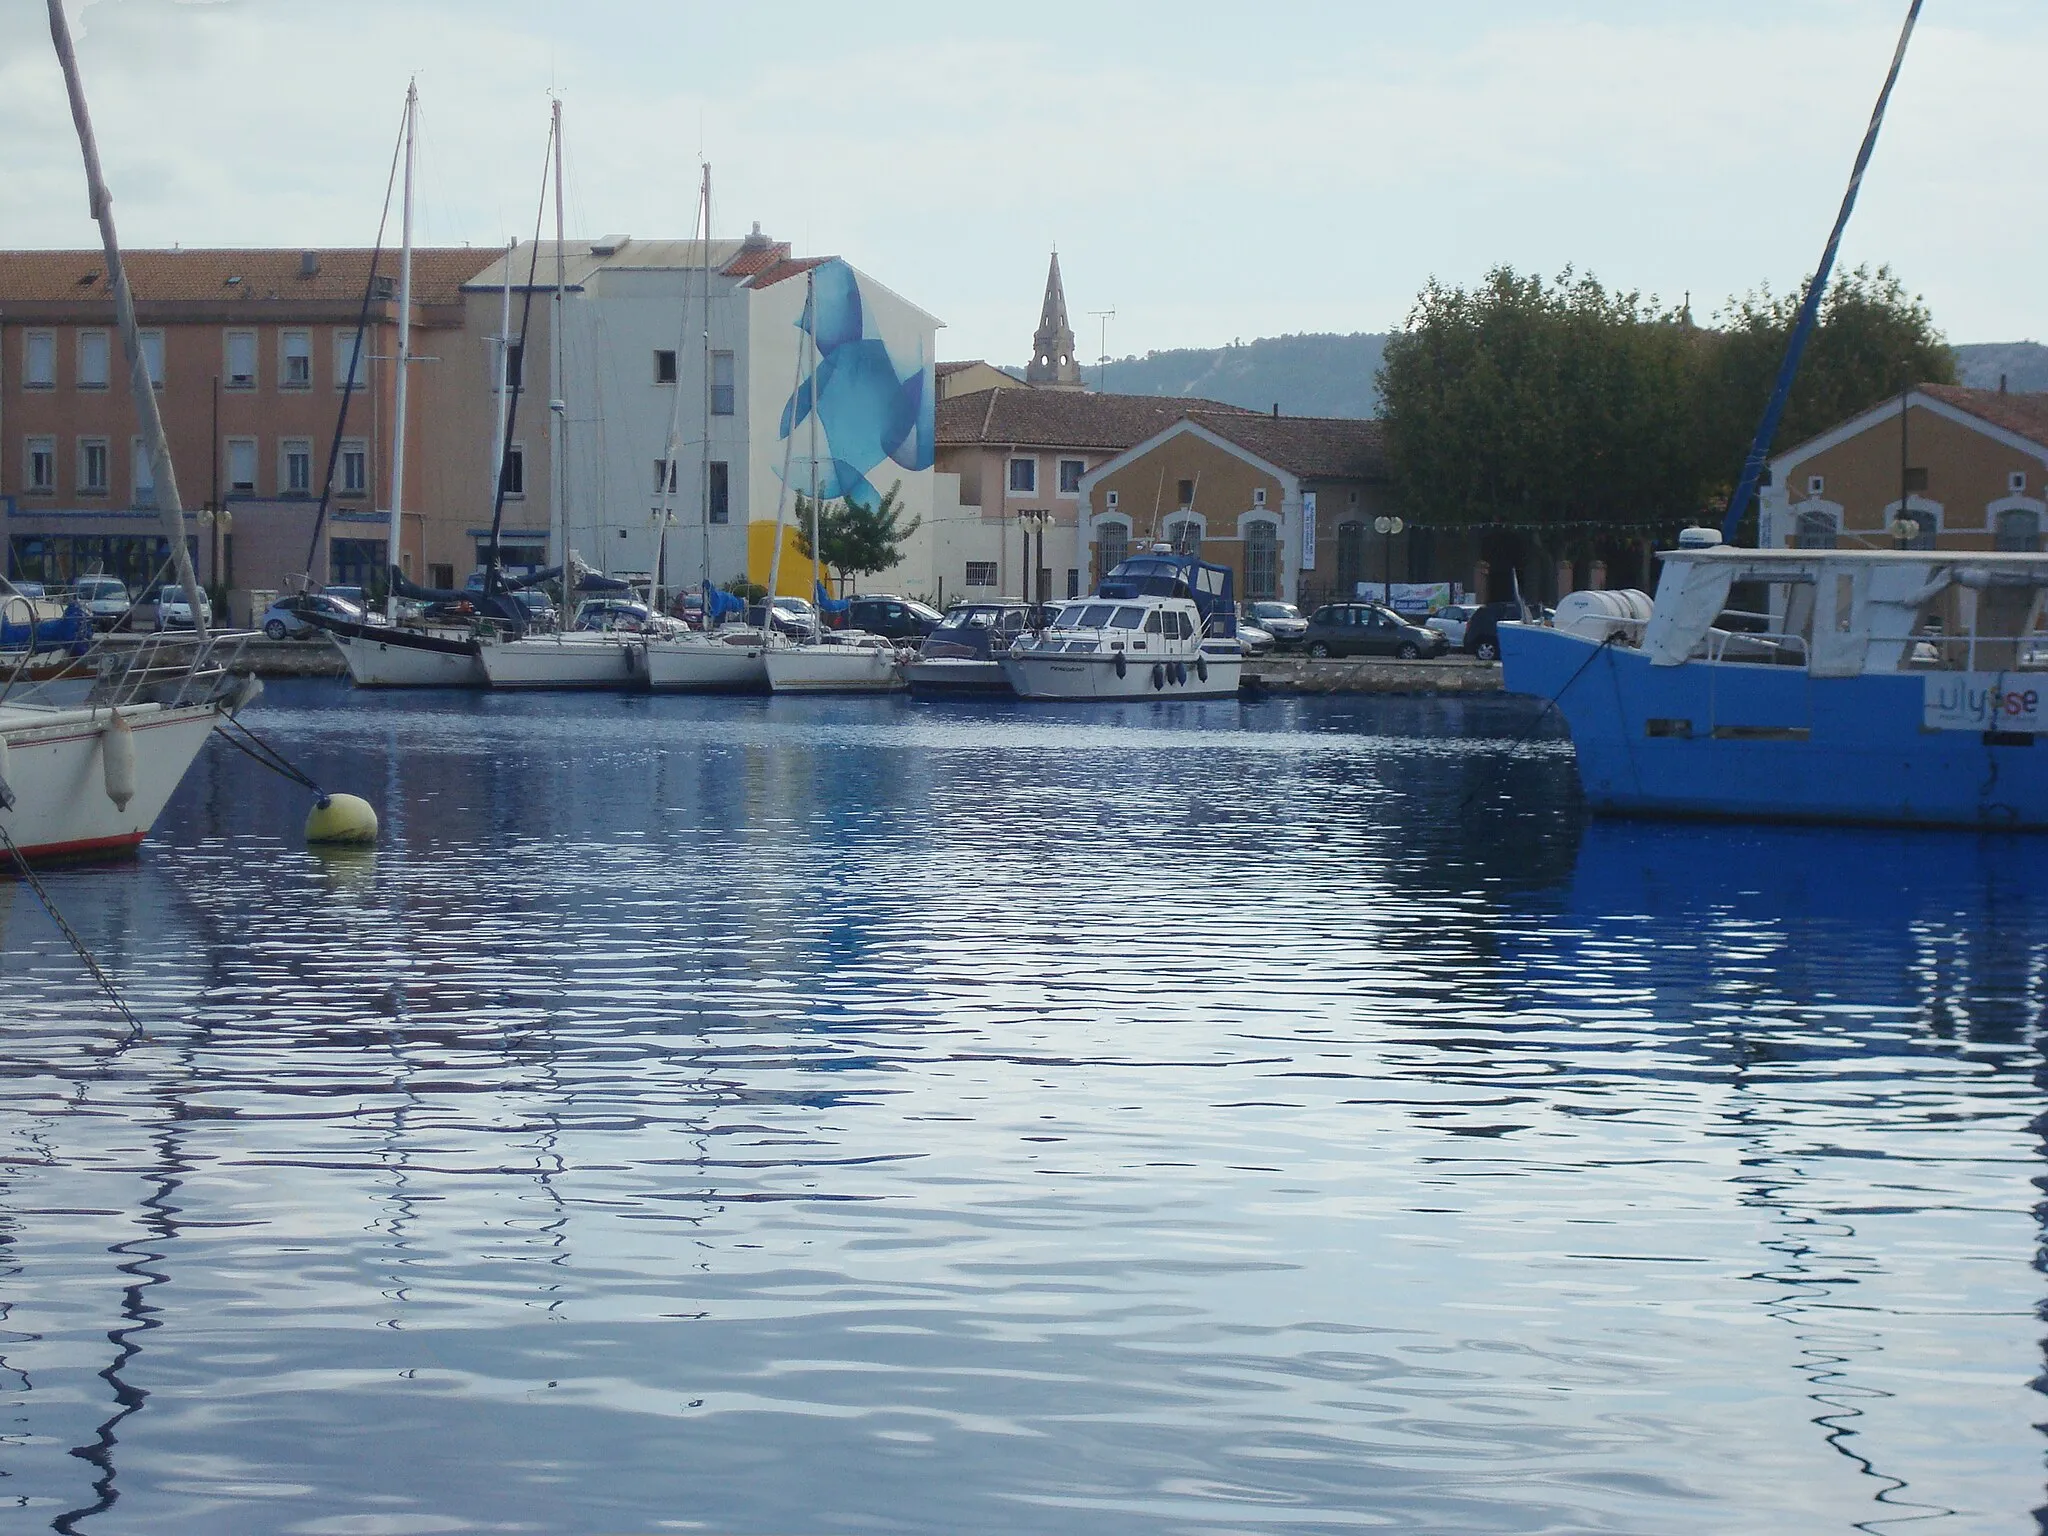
(702, 664)
(56, 766)
(596, 660)
(833, 669)
(394, 661)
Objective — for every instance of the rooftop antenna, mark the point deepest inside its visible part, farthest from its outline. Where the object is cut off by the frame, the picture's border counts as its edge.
(1102, 355)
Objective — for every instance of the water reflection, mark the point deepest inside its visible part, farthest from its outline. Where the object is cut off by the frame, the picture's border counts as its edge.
(1182, 1117)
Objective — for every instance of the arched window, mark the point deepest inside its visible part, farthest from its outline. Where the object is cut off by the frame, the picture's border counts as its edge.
(1350, 557)
(2019, 528)
(1816, 530)
(1185, 535)
(1112, 543)
(1261, 560)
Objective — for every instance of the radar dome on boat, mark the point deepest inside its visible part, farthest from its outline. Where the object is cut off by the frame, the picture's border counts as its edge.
(1698, 538)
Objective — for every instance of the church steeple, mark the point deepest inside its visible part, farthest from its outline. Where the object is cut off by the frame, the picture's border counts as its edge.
(1052, 349)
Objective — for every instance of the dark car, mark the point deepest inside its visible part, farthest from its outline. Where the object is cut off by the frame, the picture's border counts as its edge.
(897, 618)
(1482, 630)
(1367, 629)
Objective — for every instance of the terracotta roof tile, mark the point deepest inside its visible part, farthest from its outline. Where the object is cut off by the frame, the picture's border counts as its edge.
(1313, 447)
(274, 275)
(1064, 418)
(783, 268)
(2026, 415)
(756, 258)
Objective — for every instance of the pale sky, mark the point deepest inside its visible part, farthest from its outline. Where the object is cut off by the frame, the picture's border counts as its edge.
(1211, 171)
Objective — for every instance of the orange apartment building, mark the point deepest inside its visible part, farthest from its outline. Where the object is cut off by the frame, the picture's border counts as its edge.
(251, 351)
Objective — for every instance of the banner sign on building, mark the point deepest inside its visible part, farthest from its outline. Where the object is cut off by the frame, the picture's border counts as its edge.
(1982, 701)
(1308, 530)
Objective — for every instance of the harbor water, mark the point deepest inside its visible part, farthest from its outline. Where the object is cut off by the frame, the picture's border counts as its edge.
(793, 1116)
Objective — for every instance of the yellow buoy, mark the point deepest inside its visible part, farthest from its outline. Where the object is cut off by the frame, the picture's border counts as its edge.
(341, 819)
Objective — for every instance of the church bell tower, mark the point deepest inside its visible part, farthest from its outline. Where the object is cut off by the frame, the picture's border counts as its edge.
(1052, 349)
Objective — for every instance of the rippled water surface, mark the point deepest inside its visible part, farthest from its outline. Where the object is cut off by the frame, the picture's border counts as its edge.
(812, 1116)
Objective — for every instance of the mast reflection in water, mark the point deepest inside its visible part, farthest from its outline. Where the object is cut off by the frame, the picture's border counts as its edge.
(798, 1114)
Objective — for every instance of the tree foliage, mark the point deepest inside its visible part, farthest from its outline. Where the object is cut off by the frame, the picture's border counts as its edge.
(1558, 405)
(854, 540)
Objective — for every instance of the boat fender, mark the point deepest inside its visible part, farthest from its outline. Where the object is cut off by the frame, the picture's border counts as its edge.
(341, 819)
(117, 761)
(6, 788)
(1202, 668)
(1121, 667)
(1180, 674)
(1158, 676)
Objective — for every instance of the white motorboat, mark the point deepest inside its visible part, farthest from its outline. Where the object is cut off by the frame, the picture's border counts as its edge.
(851, 662)
(89, 778)
(577, 659)
(1160, 626)
(730, 660)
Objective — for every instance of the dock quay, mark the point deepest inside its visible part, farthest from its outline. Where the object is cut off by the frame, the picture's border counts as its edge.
(1304, 674)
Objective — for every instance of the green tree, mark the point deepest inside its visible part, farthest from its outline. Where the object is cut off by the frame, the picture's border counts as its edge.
(1873, 340)
(855, 540)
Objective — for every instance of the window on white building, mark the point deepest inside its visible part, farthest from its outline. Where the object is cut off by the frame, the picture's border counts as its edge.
(92, 359)
(355, 467)
(1024, 477)
(42, 464)
(39, 360)
(295, 467)
(664, 476)
(295, 360)
(721, 384)
(981, 573)
(720, 491)
(515, 470)
(1112, 543)
(241, 357)
(664, 366)
(1261, 559)
(242, 465)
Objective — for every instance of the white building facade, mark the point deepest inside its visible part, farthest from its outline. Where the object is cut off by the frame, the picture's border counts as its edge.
(688, 373)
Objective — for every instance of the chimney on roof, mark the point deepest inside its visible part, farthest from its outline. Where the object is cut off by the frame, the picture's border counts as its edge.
(756, 241)
(1276, 410)
(309, 263)
(2001, 383)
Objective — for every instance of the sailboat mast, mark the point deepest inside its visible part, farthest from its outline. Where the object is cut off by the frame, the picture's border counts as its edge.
(395, 529)
(704, 208)
(169, 509)
(557, 407)
(811, 310)
(504, 380)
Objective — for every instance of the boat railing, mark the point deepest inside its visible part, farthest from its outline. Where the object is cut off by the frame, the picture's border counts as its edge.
(1769, 646)
(170, 667)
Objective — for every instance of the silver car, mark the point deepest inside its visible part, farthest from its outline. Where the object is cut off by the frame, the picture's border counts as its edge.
(1450, 622)
(1283, 621)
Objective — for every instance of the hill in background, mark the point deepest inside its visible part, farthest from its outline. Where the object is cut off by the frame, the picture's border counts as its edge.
(1331, 375)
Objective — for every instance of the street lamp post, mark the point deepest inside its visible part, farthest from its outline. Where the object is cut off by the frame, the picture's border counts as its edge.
(1029, 520)
(1387, 527)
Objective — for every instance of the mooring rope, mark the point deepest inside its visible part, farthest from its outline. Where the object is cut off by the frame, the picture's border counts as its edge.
(105, 981)
(1549, 704)
(261, 751)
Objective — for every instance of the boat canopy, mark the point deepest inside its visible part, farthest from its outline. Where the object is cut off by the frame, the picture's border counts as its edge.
(1169, 575)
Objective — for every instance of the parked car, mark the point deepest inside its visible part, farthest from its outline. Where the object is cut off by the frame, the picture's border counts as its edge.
(347, 595)
(1450, 621)
(1482, 630)
(792, 616)
(1256, 641)
(615, 613)
(1283, 621)
(897, 618)
(1367, 629)
(105, 598)
(286, 618)
(174, 610)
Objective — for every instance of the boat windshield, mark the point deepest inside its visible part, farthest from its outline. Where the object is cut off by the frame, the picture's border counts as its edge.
(971, 618)
(1085, 616)
(1128, 618)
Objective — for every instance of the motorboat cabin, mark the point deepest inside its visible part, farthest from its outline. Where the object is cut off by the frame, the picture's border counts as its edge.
(1158, 625)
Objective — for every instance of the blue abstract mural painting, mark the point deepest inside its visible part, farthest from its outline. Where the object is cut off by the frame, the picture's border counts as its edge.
(872, 409)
